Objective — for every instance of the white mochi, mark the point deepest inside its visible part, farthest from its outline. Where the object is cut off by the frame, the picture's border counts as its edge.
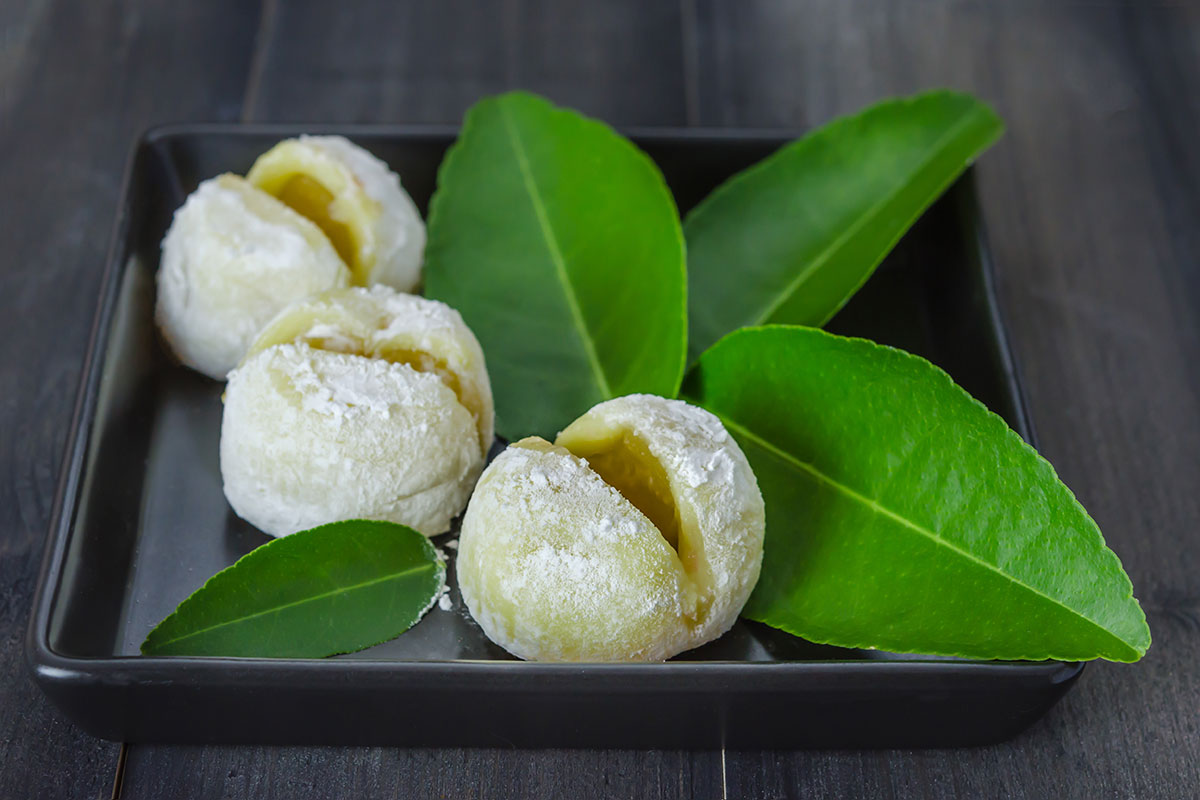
(357, 403)
(556, 564)
(309, 437)
(232, 258)
(368, 197)
(382, 323)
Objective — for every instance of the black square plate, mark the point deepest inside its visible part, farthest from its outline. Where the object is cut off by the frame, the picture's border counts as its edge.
(140, 522)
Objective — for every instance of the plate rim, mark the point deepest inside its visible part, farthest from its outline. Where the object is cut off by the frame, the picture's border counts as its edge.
(50, 667)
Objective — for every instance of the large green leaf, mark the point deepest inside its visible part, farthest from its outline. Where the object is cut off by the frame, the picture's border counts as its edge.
(560, 244)
(790, 239)
(332, 589)
(903, 515)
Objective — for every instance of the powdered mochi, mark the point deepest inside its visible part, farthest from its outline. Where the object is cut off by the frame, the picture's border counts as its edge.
(638, 535)
(357, 403)
(380, 322)
(356, 199)
(232, 258)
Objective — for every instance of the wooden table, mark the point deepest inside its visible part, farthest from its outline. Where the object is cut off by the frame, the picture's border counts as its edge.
(1093, 205)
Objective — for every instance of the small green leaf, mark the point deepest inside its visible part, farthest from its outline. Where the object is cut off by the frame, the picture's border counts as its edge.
(790, 239)
(333, 589)
(560, 244)
(903, 515)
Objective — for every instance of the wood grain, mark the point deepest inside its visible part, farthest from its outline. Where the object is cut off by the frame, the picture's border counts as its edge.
(1091, 203)
(428, 60)
(1092, 200)
(79, 81)
(269, 772)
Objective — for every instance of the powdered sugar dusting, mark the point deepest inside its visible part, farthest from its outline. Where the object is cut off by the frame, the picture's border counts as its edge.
(380, 322)
(546, 538)
(311, 436)
(232, 258)
(349, 385)
(424, 322)
(557, 564)
(332, 338)
(443, 599)
(711, 481)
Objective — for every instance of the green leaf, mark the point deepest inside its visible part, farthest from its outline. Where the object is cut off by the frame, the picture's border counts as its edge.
(333, 589)
(792, 238)
(903, 515)
(560, 244)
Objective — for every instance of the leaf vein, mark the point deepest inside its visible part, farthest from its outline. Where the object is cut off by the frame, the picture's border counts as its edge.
(556, 256)
(293, 604)
(904, 521)
(854, 227)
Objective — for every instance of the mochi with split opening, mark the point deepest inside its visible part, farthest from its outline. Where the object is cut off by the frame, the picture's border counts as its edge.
(634, 537)
(356, 199)
(357, 403)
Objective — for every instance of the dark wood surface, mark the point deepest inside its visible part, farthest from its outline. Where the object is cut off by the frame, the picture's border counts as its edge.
(1093, 204)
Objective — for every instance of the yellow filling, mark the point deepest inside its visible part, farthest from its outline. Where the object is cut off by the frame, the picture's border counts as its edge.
(270, 208)
(627, 465)
(427, 362)
(318, 186)
(622, 460)
(310, 199)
